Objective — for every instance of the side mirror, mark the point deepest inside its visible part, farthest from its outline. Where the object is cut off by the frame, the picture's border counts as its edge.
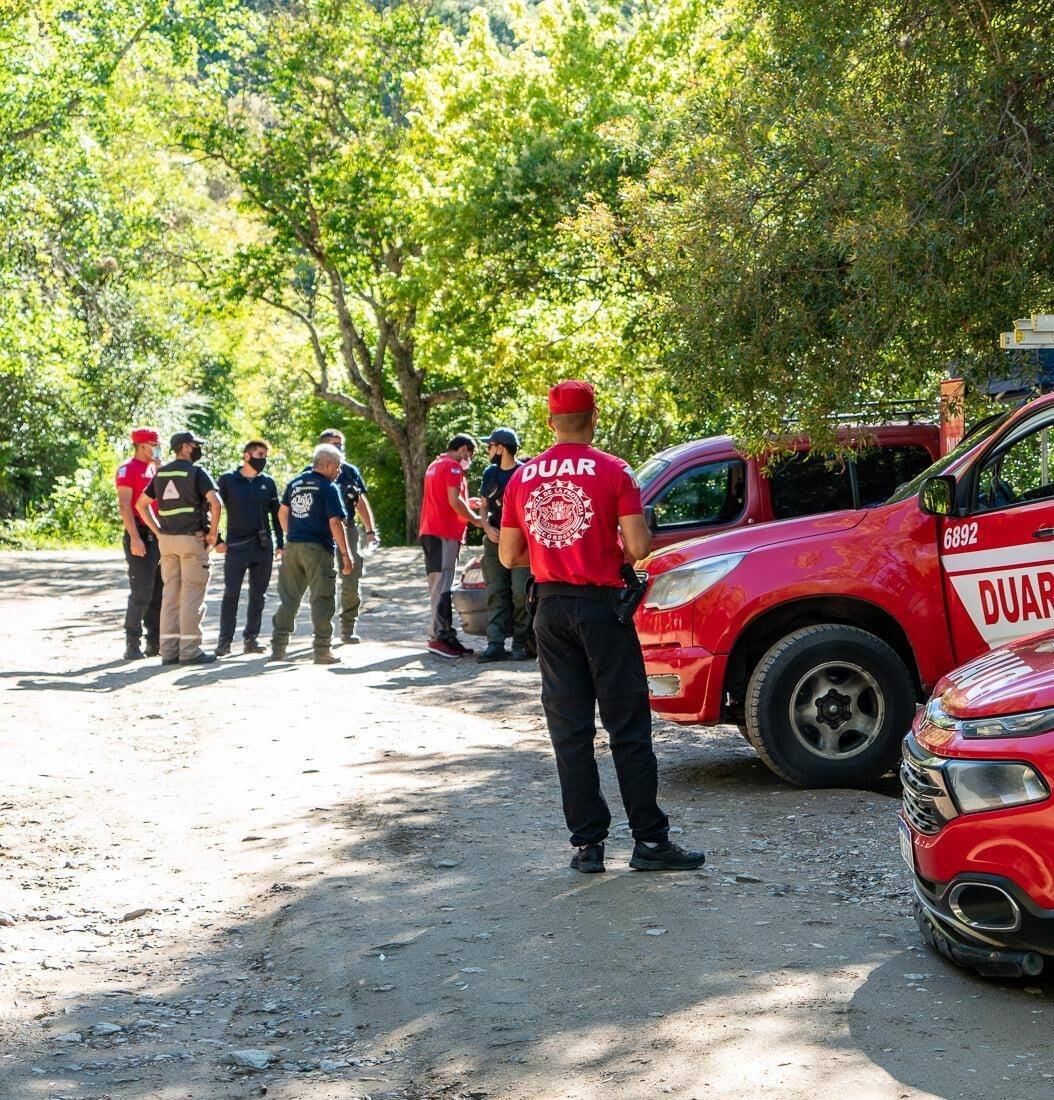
(937, 495)
(649, 518)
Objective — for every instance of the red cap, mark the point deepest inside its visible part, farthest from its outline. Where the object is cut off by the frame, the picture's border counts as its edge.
(145, 435)
(571, 397)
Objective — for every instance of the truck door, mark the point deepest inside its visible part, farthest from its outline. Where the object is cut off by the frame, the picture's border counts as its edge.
(998, 560)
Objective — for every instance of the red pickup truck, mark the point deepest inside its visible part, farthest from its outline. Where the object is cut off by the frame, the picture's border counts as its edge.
(820, 635)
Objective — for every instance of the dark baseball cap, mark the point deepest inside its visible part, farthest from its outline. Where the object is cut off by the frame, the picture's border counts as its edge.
(505, 436)
(182, 438)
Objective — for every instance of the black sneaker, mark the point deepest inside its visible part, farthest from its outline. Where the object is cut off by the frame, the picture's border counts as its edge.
(152, 649)
(520, 653)
(495, 651)
(223, 649)
(589, 859)
(462, 650)
(133, 653)
(252, 646)
(665, 856)
(200, 659)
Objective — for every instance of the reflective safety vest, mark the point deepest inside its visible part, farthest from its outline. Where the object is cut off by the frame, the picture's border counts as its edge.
(181, 508)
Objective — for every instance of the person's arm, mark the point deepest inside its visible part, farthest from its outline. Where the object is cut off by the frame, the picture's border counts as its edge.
(453, 495)
(365, 513)
(336, 527)
(142, 506)
(124, 503)
(512, 548)
(274, 511)
(283, 518)
(636, 536)
(213, 499)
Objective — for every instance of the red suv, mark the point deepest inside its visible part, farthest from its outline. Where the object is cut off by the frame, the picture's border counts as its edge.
(818, 635)
(977, 827)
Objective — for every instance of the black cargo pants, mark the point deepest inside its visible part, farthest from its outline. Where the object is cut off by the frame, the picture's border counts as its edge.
(588, 659)
(144, 591)
(258, 561)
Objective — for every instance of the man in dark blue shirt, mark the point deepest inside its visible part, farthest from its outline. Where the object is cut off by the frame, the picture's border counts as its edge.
(312, 517)
(250, 500)
(506, 588)
(353, 490)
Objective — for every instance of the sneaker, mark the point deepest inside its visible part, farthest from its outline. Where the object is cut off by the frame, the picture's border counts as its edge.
(665, 856)
(133, 653)
(520, 653)
(200, 659)
(462, 650)
(252, 646)
(495, 651)
(349, 637)
(326, 657)
(223, 649)
(444, 649)
(589, 859)
(152, 649)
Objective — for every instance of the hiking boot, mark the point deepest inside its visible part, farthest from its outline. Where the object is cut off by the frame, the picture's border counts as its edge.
(443, 649)
(349, 637)
(133, 652)
(170, 660)
(495, 651)
(153, 648)
(223, 649)
(252, 646)
(589, 859)
(520, 653)
(200, 659)
(665, 856)
(326, 657)
(278, 653)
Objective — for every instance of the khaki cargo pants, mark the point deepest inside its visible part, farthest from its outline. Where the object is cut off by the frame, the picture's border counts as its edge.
(185, 574)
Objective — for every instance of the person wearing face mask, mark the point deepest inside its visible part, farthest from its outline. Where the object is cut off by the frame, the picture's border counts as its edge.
(186, 525)
(140, 548)
(445, 516)
(250, 499)
(506, 588)
(312, 516)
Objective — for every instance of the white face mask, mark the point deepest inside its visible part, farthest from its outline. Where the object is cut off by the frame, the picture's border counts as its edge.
(465, 463)
(156, 452)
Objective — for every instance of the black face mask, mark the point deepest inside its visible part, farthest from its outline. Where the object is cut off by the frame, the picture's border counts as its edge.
(195, 453)
(258, 464)
(495, 460)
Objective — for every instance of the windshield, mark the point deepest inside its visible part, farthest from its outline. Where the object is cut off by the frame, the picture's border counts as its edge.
(977, 434)
(650, 470)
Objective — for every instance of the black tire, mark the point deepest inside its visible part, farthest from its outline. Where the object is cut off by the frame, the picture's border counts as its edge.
(827, 706)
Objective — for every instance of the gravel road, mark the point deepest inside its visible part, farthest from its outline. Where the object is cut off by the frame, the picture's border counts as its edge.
(356, 878)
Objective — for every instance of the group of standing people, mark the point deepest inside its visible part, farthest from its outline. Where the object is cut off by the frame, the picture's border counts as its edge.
(171, 515)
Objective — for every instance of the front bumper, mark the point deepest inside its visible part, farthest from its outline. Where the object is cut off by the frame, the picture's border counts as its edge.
(685, 682)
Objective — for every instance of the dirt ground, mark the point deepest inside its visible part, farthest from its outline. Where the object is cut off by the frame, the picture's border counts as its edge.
(361, 872)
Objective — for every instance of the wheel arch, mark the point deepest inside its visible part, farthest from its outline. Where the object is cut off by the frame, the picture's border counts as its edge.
(777, 622)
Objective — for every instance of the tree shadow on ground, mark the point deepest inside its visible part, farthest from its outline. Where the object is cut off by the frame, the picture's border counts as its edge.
(463, 961)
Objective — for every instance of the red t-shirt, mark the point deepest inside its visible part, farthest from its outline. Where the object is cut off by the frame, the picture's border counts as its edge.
(437, 517)
(567, 502)
(136, 475)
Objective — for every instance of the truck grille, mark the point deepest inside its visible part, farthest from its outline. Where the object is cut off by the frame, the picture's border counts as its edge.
(927, 805)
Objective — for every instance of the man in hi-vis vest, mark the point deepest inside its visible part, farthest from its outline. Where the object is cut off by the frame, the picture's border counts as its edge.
(188, 518)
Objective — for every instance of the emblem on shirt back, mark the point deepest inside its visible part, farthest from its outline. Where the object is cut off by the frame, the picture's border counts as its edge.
(300, 504)
(558, 513)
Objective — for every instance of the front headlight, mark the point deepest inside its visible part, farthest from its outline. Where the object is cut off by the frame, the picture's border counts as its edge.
(1008, 725)
(684, 583)
(993, 785)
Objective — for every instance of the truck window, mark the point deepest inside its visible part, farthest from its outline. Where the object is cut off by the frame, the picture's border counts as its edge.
(806, 484)
(1018, 472)
(879, 470)
(709, 494)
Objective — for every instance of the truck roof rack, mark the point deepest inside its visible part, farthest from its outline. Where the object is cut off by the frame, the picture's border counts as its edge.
(875, 413)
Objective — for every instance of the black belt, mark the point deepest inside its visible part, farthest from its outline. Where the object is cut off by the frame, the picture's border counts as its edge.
(599, 592)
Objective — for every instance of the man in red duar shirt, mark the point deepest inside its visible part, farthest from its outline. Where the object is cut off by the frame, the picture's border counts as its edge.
(563, 514)
(445, 514)
(140, 548)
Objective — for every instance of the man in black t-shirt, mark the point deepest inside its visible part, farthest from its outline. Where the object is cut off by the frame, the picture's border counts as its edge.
(506, 588)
